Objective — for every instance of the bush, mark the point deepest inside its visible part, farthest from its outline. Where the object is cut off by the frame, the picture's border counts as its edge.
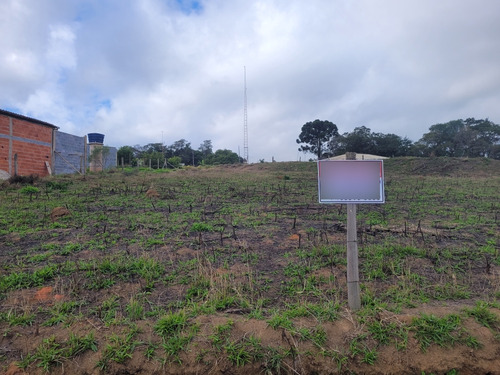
(23, 180)
(174, 161)
(58, 185)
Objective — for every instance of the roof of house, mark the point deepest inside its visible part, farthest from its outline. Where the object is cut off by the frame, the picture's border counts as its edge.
(26, 118)
(360, 157)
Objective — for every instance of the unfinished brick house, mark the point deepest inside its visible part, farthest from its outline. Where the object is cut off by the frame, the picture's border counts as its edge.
(26, 145)
(30, 146)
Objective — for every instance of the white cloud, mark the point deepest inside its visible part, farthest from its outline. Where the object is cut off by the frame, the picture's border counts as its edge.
(61, 52)
(135, 70)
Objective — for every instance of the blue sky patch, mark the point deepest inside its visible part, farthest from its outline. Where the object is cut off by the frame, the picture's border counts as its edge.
(105, 103)
(190, 6)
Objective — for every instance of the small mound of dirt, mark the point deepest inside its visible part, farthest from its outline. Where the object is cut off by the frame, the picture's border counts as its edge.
(59, 212)
(152, 193)
(14, 369)
(46, 294)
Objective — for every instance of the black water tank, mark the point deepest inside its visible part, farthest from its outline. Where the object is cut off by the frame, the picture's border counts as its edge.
(96, 138)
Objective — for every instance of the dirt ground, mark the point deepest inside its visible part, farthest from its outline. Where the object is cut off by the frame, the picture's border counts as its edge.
(271, 247)
(413, 360)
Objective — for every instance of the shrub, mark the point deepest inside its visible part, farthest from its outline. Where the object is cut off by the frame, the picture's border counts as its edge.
(23, 180)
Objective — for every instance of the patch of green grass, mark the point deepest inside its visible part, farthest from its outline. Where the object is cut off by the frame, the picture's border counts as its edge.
(278, 320)
(150, 350)
(21, 280)
(201, 227)
(273, 360)
(171, 324)
(323, 312)
(176, 333)
(445, 331)
(108, 310)
(178, 342)
(198, 289)
(243, 351)
(79, 344)
(25, 318)
(316, 335)
(221, 334)
(51, 353)
(483, 315)
(119, 349)
(30, 190)
(386, 332)
(134, 309)
(450, 291)
(369, 356)
(98, 281)
(237, 353)
(58, 185)
(359, 347)
(61, 312)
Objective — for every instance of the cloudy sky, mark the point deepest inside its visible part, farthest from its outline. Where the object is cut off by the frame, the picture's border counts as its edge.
(144, 71)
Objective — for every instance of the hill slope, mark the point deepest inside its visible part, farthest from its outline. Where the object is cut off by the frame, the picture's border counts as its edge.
(238, 269)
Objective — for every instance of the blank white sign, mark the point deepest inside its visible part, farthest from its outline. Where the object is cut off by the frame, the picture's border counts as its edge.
(351, 181)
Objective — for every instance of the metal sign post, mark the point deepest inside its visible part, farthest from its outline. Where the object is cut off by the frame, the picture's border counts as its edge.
(353, 292)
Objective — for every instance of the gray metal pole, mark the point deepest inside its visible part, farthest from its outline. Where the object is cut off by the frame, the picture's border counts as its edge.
(353, 291)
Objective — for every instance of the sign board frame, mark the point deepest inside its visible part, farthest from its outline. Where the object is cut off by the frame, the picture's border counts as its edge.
(351, 181)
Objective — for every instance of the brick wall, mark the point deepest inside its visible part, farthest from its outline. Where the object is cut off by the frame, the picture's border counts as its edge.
(35, 132)
(31, 158)
(31, 141)
(4, 154)
(4, 125)
(4, 143)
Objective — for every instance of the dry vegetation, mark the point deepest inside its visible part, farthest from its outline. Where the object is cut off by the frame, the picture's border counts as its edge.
(238, 269)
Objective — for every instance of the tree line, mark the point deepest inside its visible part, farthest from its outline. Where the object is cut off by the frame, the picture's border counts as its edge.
(158, 155)
(457, 138)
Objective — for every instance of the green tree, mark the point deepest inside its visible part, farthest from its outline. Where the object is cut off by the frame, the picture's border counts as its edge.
(223, 157)
(485, 136)
(391, 145)
(495, 152)
(363, 141)
(153, 147)
(316, 135)
(469, 138)
(182, 148)
(441, 140)
(157, 159)
(206, 148)
(127, 153)
(360, 140)
(174, 161)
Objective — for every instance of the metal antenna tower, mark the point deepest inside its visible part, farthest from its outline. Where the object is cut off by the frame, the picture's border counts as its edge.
(245, 118)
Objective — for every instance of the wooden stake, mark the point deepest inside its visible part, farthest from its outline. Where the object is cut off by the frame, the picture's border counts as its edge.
(15, 164)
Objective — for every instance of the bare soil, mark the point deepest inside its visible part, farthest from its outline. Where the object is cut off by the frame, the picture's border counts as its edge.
(285, 219)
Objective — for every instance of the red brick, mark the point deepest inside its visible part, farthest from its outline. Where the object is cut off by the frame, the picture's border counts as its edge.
(30, 157)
